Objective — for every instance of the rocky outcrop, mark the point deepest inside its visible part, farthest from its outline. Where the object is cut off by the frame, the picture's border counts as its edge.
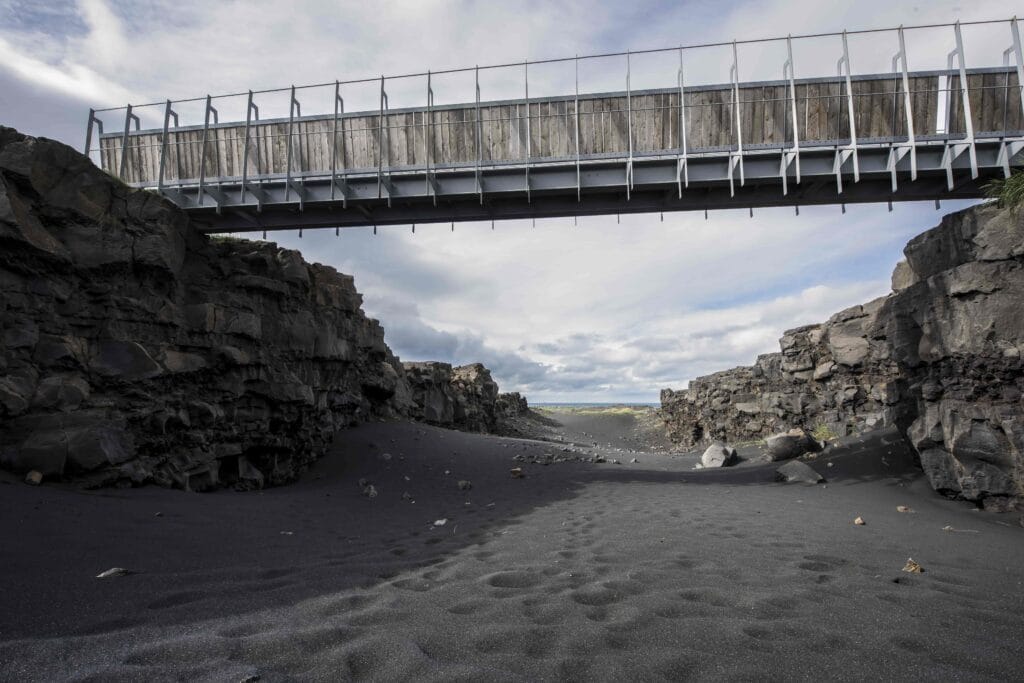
(463, 397)
(957, 334)
(134, 349)
(940, 358)
(835, 378)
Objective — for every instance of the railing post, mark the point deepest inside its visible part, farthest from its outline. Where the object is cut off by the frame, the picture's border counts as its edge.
(478, 134)
(252, 112)
(629, 125)
(576, 110)
(293, 108)
(901, 56)
(428, 138)
(682, 168)
(339, 109)
(382, 145)
(202, 149)
(789, 65)
(737, 158)
(168, 113)
(128, 118)
(88, 134)
(965, 97)
(1015, 32)
(529, 137)
(844, 62)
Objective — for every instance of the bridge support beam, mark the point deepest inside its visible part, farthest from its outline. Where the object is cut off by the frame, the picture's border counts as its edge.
(602, 186)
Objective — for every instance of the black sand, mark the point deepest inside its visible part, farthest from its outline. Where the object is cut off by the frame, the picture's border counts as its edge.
(579, 571)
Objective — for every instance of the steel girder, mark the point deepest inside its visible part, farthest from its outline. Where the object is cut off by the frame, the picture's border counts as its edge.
(596, 188)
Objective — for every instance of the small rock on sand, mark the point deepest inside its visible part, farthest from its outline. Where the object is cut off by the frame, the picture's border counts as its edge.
(903, 508)
(859, 521)
(34, 478)
(465, 485)
(440, 522)
(718, 455)
(370, 491)
(516, 472)
(112, 572)
(912, 567)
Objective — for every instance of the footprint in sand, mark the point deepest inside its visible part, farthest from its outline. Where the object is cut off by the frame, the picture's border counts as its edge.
(822, 563)
(596, 596)
(176, 599)
(512, 579)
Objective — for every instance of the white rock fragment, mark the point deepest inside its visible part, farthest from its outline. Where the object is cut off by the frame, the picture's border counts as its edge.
(112, 572)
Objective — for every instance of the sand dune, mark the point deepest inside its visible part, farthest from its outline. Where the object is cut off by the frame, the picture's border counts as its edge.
(578, 571)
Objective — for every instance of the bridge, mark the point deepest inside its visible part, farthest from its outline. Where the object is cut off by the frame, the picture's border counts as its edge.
(824, 139)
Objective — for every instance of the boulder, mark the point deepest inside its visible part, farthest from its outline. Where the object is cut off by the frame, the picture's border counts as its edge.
(791, 444)
(718, 455)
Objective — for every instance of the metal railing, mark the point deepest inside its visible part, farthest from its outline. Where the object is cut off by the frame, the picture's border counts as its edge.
(963, 105)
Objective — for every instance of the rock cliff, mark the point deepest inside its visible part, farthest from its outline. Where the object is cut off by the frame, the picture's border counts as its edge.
(134, 349)
(940, 358)
(463, 397)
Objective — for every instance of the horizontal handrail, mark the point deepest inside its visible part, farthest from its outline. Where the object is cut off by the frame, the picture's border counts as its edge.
(557, 60)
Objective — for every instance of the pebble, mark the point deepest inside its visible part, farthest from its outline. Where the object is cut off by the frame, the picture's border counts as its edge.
(912, 567)
(34, 478)
(112, 572)
(465, 485)
(859, 521)
(440, 522)
(516, 472)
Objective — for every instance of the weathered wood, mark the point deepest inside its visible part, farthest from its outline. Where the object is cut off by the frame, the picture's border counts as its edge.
(604, 127)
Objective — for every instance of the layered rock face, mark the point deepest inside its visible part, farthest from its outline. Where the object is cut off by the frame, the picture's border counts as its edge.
(940, 358)
(463, 397)
(836, 377)
(134, 349)
(956, 331)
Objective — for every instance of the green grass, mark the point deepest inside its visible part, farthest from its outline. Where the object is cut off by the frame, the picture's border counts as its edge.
(1009, 192)
(595, 410)
(822, 432)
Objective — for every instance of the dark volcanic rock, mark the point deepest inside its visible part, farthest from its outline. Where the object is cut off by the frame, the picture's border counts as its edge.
(940, 358)
(792, 444)
(464, 397)
(134, 349)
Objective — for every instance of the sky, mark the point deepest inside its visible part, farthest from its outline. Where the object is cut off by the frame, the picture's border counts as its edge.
(604, 310)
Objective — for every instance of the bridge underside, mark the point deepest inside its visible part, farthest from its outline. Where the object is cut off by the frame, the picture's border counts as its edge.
(554, 189)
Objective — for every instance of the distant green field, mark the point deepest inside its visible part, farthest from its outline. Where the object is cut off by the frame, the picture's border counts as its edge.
(593, 410)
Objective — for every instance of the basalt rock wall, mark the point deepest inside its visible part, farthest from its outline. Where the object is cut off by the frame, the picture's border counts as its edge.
(940, 358)
(134, 349)
(463, 397)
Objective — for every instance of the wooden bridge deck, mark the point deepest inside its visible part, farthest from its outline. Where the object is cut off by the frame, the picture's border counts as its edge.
(642, 124)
